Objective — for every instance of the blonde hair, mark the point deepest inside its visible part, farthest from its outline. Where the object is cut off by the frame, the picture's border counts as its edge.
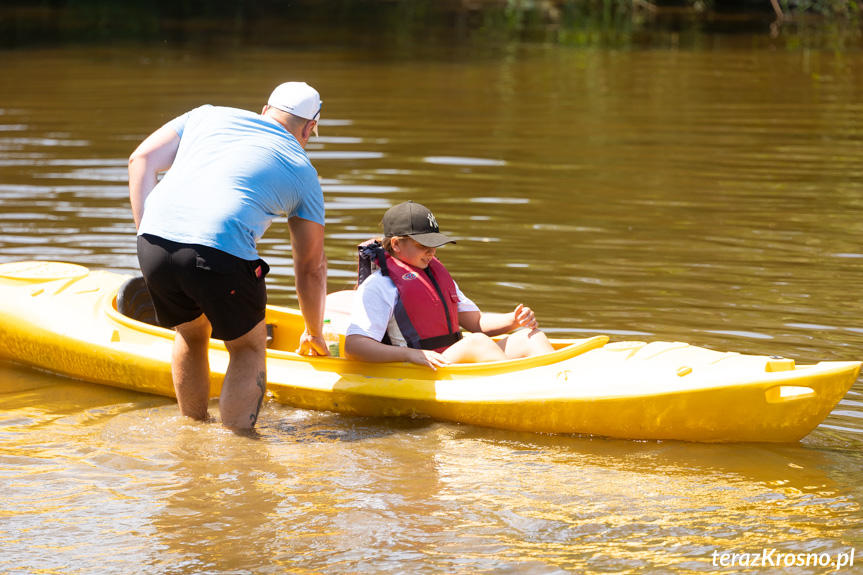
(387, 244)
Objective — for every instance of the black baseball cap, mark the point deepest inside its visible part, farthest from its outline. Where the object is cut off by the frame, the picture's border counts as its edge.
(415, 221)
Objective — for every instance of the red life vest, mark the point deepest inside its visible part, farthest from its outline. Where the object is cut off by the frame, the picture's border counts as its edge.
(427, 307)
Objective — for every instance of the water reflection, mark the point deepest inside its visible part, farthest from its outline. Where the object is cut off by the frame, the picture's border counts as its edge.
(331, 494)
(216, 510)
(582, 495)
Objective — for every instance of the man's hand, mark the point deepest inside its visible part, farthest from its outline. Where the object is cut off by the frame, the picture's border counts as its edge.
(312, 345)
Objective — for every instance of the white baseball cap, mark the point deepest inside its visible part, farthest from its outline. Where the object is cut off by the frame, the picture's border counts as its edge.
(299, 99)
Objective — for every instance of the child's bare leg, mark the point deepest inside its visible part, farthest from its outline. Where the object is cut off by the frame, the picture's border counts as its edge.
(474, 348)
(525, 343)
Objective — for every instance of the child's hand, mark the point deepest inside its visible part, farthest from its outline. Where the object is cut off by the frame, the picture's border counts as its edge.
(524, 317)
(427, 358)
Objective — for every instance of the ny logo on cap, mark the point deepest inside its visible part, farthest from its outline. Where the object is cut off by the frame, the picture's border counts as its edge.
(432, 221)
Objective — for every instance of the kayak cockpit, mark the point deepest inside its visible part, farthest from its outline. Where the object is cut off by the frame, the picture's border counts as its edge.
(132, 306)
(133, 301)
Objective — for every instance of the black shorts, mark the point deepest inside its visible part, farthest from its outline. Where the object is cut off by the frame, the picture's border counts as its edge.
(187, 280)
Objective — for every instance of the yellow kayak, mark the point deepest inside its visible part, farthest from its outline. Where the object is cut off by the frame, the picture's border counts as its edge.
(64, 318)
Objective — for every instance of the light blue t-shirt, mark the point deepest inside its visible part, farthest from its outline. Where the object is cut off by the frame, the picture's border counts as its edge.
(235, 172)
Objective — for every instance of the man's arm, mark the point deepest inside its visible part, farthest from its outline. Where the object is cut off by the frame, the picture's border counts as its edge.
(155, 154)
(310, 272)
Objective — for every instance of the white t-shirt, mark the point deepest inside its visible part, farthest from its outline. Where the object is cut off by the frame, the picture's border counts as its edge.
(374, 306)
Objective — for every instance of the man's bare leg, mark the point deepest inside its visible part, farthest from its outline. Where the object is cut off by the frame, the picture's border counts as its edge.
(190, 367)
(245, 380)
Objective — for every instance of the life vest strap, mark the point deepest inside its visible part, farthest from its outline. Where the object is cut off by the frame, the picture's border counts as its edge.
(430, 342)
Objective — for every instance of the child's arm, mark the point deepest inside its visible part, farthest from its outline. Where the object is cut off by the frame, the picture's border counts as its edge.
(362, 348)
(493, 324)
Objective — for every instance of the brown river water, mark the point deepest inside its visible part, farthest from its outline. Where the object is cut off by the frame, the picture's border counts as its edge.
(708, 193)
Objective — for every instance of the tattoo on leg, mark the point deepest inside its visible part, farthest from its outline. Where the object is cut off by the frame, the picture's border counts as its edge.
(262, 383)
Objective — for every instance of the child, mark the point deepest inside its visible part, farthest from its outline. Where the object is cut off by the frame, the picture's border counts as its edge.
(411, 309)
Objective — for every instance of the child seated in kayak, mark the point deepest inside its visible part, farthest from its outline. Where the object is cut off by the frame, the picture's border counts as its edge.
(412, 310)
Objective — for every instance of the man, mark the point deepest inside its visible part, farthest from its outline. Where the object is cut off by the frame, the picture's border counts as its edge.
(232, 172)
